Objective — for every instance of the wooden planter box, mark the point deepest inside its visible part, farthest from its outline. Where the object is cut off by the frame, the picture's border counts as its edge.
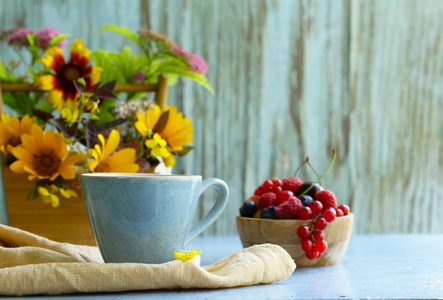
(68, 222)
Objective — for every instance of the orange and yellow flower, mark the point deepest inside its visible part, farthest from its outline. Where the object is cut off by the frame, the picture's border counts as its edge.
(60, 83)
(176, 133)
(44, 155)
(105, 160)
(11, 130)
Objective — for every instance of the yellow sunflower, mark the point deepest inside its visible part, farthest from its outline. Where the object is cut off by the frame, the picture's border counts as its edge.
(60, 84)
(176, 133)
(44, 155)
(11, 130)
(122, 161)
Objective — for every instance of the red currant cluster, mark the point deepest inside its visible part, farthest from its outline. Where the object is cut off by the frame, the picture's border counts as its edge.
(313, 240)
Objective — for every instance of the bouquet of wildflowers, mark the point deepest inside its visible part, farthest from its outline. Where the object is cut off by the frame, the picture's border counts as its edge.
(74, 122)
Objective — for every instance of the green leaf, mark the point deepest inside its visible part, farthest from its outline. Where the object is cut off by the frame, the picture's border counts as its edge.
(105, 114)
(124, 31)
(185, 150)
(32, 39)
(58, 39)
(104, 60)
(121, 66)
(33, 194)
(179, 67)
(21, 102)
(137, 95)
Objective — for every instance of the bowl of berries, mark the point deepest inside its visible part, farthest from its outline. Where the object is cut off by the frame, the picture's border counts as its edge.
(302, 217)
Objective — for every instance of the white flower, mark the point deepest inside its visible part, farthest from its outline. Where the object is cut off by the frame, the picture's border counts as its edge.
(161, 168)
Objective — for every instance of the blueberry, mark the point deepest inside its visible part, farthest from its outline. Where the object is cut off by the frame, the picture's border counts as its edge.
(248, 209)
(306, 200)
(314, 190)
(268, 213)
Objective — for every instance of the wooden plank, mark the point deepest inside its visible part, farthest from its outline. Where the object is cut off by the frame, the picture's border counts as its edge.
(396, 130)
(296, 78)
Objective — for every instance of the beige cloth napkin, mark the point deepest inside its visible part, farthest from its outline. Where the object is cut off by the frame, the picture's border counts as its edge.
(30, 265)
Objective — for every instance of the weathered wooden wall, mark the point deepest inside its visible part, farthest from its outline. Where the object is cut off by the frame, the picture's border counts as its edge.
(297, 78)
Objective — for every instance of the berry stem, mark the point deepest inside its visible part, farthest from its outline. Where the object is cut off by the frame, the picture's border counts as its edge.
(334, 156)
(301, 165)
(312, 168)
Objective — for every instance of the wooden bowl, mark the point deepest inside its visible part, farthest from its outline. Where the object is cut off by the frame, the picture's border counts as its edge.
(255, 231)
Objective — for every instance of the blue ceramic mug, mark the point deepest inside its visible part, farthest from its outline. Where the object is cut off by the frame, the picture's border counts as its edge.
(145, 218)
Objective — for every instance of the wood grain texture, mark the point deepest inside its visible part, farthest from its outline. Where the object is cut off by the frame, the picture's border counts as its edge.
(68, 223)
(255, 231)
(292, 79)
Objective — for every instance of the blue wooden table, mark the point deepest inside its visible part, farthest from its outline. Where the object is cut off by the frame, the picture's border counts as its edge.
(375, 266)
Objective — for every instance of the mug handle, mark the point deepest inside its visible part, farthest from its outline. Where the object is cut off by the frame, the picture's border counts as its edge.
(217, 209)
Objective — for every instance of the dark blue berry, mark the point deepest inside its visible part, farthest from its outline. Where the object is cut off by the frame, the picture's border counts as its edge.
(306, 200)
(248, 209)
(268, 213)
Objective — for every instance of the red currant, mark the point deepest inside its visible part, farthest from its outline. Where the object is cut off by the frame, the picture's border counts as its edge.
(320, 223)
(329, 214)
(345, 209)
(316, 207)
(306, 244)
(318, 235)
(319, 254)
(321, 246)
(312, 254)
(303, 232)
(305, 213)
(339, 212)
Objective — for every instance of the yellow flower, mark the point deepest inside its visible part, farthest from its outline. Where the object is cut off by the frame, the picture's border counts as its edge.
(11, 130)
(176, 133)
(48, 195)
(158, 146)
(67, 193)
(122, 161)
(185, 256)
(44, 155)
(70, 115)
(61, 84)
